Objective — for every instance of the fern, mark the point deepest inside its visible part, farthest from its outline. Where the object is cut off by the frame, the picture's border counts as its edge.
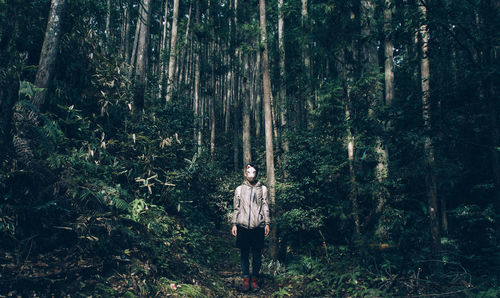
(28, 89)
(121, 204)
(23, 150)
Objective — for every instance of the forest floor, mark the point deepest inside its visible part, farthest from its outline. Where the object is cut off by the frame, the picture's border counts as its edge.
(229, 269)
(71, 272)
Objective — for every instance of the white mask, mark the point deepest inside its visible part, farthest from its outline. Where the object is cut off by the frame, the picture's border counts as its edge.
(251, 172)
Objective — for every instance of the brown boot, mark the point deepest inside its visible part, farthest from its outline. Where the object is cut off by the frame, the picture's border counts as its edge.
(255, 284)
(246, 284)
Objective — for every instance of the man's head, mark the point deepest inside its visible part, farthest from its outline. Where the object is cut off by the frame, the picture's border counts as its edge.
(251, 172)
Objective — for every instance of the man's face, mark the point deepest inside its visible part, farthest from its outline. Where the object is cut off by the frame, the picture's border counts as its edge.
(250, 173)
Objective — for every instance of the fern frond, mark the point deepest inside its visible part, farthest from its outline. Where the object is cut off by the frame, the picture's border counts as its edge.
(23, 150)
(120, 204)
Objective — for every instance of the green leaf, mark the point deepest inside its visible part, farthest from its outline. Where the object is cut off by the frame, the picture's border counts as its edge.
(28, 89)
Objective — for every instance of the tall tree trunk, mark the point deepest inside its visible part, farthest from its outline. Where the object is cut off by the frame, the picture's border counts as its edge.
(258, 97)
(306, 58)
(370, 67)
(197, 102)
(430, 176)
(136, 36)
(142, 55)
(246, 136)
(197, 97)
(236, 73)
(125, 39)
(389, 54)
(108, 19)
(382, 170)
(25, 120)
(227, 82)
(266, 81)
(369, 46)
(228, 101)
(48, 55)
(173, 51)
(163, 49)
(183, 60)
(214, 89)
(282, 87)
(353, 193)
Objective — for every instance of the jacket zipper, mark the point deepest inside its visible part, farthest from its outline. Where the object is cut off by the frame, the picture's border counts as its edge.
(260, 209)
(250, 208)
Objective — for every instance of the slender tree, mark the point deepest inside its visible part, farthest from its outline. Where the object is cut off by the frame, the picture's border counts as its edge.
(163, 48)
(26, 120)
(142, 55)
(197, 98)
(185, 50)
(246, 136)
(306, 58)
(430, 176)
(125, 31)
(382, 170)
(282, 85)
(235, 87)
(258, 91)
(173, 51)
(48, 56)
(213, 82)
(108, 19)
(346, 86)
(138, 25)
(266, 82)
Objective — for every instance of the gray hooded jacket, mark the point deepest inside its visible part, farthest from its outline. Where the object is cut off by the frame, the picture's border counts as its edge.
(251, 205)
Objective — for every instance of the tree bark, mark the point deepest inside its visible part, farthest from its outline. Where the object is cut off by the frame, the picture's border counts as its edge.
(197, 97)
(258, 97)
(163, 49)
(26, 120)
(266, 81)
(353, 193)
(173, 51)
(369, 46)
(235, 89)
(136, 36)
(227, 82)
(246, 136)
(125, 38)
(282, 88)
(306, 58)
(183, 61)
(48, 56)
(227, 119)
(214, 89)
(108, 19)
(382, 169)
(430, 176)
(142, 55)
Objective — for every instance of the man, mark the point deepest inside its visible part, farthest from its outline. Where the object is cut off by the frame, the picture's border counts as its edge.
(250, 224)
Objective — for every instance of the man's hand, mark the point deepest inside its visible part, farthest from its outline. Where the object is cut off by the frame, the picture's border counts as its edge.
(234, 230)
(266, 230)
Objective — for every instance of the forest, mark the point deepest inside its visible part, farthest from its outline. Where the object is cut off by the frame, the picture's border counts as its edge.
(126, 126)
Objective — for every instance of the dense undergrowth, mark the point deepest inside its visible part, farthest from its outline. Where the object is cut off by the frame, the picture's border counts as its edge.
(130, 212)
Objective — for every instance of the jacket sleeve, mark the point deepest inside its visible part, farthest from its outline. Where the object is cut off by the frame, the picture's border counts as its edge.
(236, 205)
(265, 205)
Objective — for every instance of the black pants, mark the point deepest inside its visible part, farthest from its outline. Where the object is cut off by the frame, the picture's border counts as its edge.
(256, 261)
(250, 240)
